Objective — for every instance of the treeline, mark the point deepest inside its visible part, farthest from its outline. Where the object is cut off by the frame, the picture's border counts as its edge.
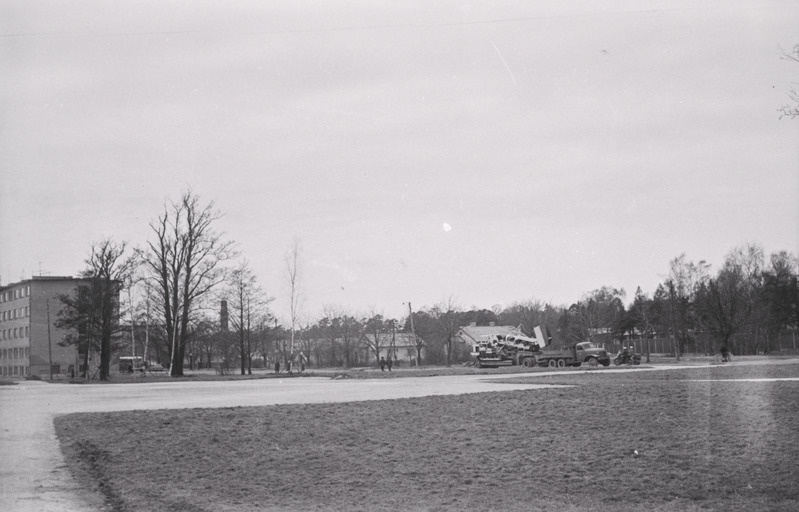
(170, 295)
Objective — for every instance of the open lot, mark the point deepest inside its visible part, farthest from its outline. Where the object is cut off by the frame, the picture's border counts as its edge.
(706, 438)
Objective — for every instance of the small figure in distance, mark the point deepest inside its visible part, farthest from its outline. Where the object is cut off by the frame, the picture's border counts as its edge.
(725, 353)
(382, 364)
(277, 365)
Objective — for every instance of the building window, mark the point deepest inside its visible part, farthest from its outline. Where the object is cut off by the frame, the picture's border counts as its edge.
(28, 352)
(27, 331)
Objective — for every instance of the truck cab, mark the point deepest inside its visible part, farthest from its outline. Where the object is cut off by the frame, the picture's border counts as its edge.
(590, 353)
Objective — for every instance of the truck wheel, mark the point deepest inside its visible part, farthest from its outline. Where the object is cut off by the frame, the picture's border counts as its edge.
(592, 362)
(528, 362)
(561, 363)
(552, 363)
(478, 364)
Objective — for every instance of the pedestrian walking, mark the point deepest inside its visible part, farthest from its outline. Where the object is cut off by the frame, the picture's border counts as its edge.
(389, 362)
(382, 364)
(277, 365)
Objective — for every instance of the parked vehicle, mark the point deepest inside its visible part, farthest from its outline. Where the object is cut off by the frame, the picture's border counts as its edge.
(130, 364)
(518, 350)
(627, 356)
(723, 358)
(154, 367)
(574, 355)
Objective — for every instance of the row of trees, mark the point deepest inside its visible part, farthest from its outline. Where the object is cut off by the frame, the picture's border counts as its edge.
(168, 295)
(747, 303)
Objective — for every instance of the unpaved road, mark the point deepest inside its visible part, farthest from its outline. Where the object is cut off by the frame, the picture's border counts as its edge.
(33, 472)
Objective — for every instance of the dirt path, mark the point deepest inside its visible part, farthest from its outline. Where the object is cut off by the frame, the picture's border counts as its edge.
(34, 475)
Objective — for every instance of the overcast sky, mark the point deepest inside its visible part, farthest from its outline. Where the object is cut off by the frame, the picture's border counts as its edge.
(490, 152)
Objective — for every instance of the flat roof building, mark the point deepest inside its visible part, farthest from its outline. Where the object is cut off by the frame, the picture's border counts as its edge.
(27, 346)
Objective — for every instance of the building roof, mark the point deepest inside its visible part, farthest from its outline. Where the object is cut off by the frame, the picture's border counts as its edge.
(39, 278)
(401, 340)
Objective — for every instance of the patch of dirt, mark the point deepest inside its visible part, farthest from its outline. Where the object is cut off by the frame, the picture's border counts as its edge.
(655, 440)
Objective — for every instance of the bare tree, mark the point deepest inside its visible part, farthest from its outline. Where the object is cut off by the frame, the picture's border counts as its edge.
(791, 110)
(731, 302)
(684, 280)
(446, 315)
(377, 332)
(417, 341)
(249, 309)
(185, 260)
(95, 308)
(527, 313)
(293, 279)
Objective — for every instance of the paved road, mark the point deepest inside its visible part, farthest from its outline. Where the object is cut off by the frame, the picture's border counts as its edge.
(33, 473)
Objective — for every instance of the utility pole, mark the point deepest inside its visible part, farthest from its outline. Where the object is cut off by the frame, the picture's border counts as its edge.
(49, 340)
(413, 332)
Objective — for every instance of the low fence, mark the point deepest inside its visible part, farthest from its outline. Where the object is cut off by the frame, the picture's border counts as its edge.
(781, 343)
(642, 346)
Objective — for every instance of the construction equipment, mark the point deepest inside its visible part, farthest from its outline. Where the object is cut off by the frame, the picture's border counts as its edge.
(518, 350)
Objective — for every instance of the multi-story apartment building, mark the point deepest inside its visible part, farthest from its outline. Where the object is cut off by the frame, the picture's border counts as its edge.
(29, 338)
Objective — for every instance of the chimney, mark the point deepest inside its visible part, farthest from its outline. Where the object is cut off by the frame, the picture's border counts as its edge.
(223, 316)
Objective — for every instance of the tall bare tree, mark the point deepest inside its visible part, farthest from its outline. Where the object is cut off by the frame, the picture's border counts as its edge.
(95, 309)
(185, 260)
(684, 280)
(293, 280)
(249, 311)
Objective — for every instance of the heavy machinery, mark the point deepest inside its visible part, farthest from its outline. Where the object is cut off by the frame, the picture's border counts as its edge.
(512, 349)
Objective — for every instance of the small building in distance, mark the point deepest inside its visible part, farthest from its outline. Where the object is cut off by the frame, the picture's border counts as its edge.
(400, 346)
(28, 334)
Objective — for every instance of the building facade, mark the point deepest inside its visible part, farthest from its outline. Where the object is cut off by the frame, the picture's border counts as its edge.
(400, 347)
(29, 338)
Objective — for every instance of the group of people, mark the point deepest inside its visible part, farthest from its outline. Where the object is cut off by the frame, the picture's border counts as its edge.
(386, 361)
(302, 359)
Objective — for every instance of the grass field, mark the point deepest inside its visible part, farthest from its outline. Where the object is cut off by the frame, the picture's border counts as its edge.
(666, 440)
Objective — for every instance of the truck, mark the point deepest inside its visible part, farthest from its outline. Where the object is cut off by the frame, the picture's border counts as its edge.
(518, 350)
(574, 355)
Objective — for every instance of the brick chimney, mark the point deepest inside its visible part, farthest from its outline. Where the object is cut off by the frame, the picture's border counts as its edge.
(223, 316)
